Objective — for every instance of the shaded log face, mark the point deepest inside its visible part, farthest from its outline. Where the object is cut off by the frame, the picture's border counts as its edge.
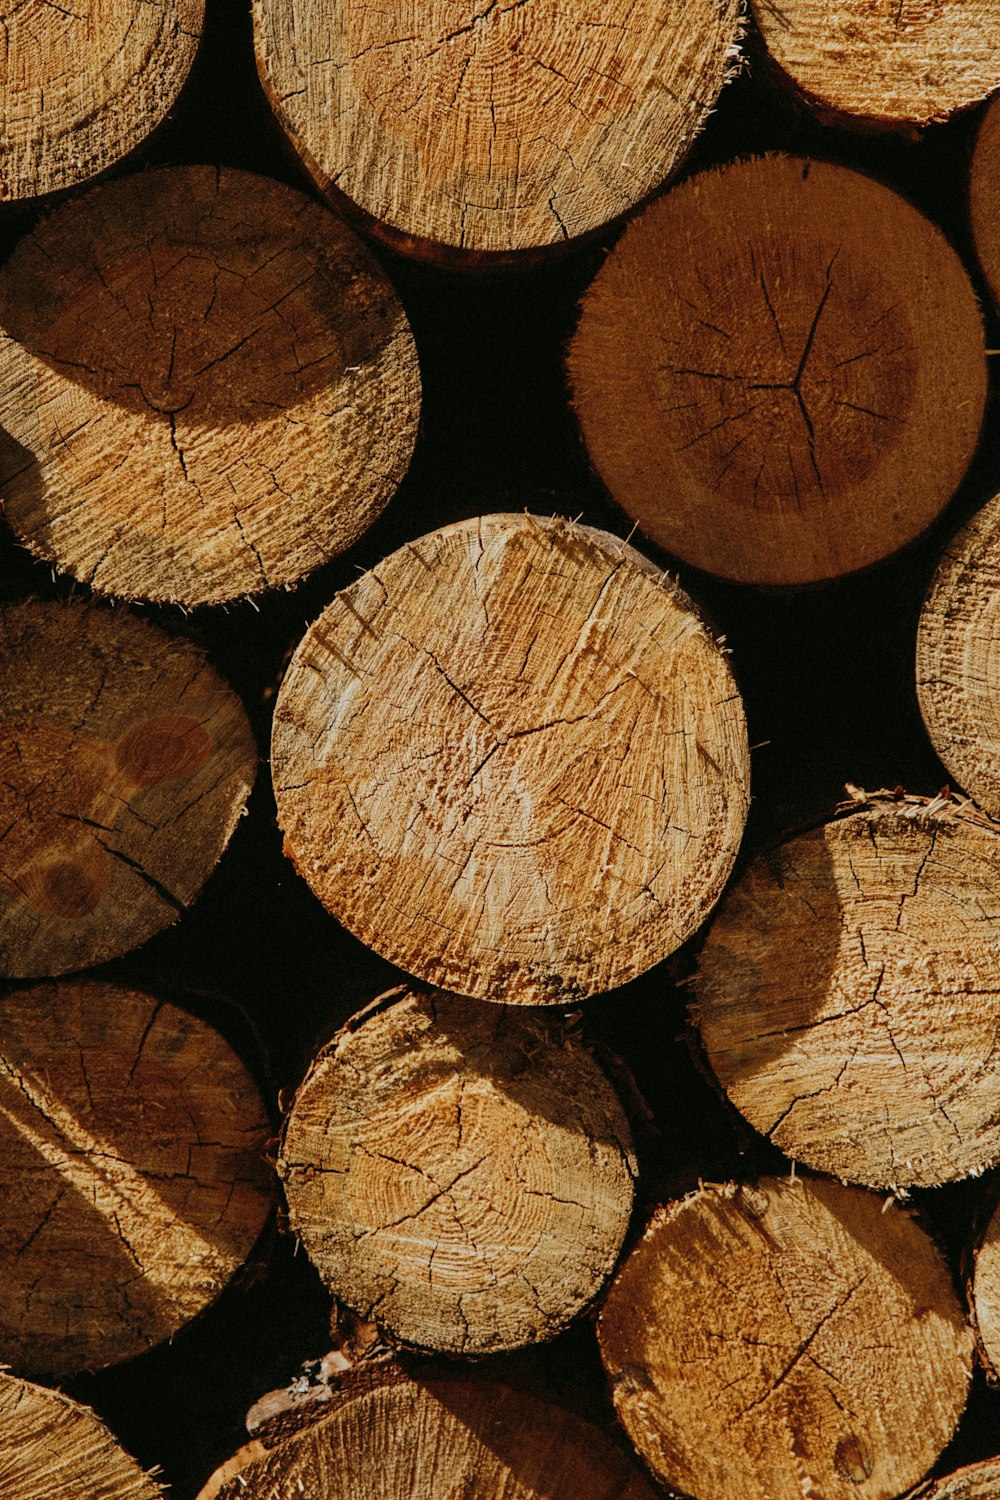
(125, 762)
(986, 1297)
(848, 996)
(462, 1173)
(513, 760)
(52, 1448)
(495, 127)
(82, 85)
(134, 1185)
(771, 350)
(984, 197)
(208, 384)
(767, 1338)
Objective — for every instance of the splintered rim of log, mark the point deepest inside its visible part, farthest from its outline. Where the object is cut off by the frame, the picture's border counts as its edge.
(426, 1438)
(975, 1482)
(779, 371)
(984, 197)
(765, 1338)
(848, 996)
(461, 1173)
(512, 760)
(125, 763)
(53, 1448)
(134, 1181)
(986, 1295)
(82, 86)
(494, 128)
(894, 64)
(958, 658)
(208, 386)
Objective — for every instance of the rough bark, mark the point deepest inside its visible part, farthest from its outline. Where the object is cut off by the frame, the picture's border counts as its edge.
(125, 762)
(784, 1339)
(512, 760)
(848, 995)
(82, 85)
(494, 128)
(958, 666)
(986, 1295)
(208, 384)
(984, 197)
(460, 1173)
(779, 371)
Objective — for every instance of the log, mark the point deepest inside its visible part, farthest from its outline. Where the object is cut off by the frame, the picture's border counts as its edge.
(460, 1173)
(984, 197)
(958, 673)
(786, 1338)
(894, 65)
(848, 995)
(493, 129)
(208, 384)
(80, 88)
(52, 1448)
(513, 761)
(779, 371)
(985, 1290)
(134, 1184)
(125, 762)
(974, 1482)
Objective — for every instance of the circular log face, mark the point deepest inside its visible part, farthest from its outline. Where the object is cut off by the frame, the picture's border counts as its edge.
(125, 762)
(785, 1339)
(461, 1173)
(984, 197)
(494, 126)
(52, 1448)
(208, 385)
(513, 761)
(134, 1184)
(958, 658)
(887, 62)
(986, 1295)
(977, 1482)
(82, 85)
(848, 996)
(779, 371)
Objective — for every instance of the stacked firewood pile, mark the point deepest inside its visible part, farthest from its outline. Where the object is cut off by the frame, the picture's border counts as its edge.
(499, 750)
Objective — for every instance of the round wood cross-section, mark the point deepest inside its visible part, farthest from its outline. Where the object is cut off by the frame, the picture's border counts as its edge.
(52, 1448)
(986, 1295)
(512, 760)
(494, 127)
(461, 1173)
(786, 1339)
(884, 63)
(133, 1178)
(984, 197)
(82, 84)
(208, 386)
(779, 371)
(125, 762)
(958, 658)
(976, 1482)
(848, 996)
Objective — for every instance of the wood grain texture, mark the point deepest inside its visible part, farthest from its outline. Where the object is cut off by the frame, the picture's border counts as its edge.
(134, 1183)
(458, 1172)
(125, 762)
(986, 1295)
(513, 761)
(52, 1448)
(975, 1482)
(82, 84)
(958, 658)
(786, 1338)
(779, 371)
(898, 64)
(984, 197)
(496, 126)
(848, 996)
(207, 383)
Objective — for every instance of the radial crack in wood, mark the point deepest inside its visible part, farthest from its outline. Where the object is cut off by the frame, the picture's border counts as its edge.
(986, 1296)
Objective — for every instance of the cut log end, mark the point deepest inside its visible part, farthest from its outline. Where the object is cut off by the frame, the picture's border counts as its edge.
(975, 1482)
(986, 1296)
(984, 197)
(52, 1448)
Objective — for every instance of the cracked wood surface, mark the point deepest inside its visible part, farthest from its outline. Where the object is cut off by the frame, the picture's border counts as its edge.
(133, 1179)
(779, 371)
(958, 658)
(985, 1292)
(82, 82)
(984, 197)
(975, 1482)
(52, 1448)
(460, 1173)
(513, 761)
(494, 127)
(207, 384)
(848, 996)
(786, 1338)
(125, 762)
(897, 64)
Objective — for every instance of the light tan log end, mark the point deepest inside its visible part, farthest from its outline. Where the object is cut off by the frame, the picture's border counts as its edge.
(986, 1296)
(975, 1482)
